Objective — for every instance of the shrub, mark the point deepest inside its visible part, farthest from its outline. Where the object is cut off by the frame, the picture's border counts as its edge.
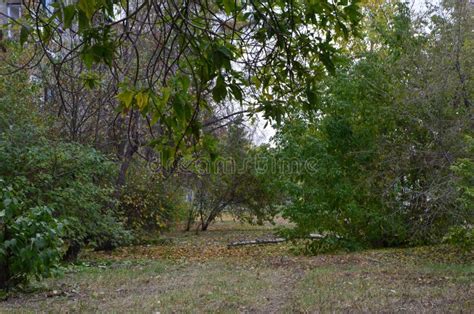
(30, 243)
(462, 237)
(149, 203)
(72, 180)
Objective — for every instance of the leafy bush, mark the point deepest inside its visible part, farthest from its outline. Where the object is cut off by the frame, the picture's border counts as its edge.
(464, 170)
(231, 182)
(74, 181)
(149, 203)
(330, 190)
(380, 156)
(30, 243)
(462, 237)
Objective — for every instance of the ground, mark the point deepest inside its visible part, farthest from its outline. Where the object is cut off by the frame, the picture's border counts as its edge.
(198, 273)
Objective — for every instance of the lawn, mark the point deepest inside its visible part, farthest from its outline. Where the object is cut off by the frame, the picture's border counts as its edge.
(196, 273)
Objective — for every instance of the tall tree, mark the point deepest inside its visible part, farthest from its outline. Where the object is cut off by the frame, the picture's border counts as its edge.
(390, 125)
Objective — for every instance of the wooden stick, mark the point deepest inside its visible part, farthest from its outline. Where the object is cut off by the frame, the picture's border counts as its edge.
(256, 242)
(268, 241)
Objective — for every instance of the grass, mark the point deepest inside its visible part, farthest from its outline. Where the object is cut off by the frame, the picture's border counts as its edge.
(197, 273)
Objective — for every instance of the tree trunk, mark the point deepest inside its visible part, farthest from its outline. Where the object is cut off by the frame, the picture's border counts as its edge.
(205, 225)
(121, 179)
(214, 212)
(4, 269)
(131, 147)
(72, 252)
(3, 276)
(190, 220)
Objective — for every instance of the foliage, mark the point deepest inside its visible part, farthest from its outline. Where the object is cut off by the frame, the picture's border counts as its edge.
(195, 55)
(462, 237)
(376, 157)
(369, 150)
(149, 202)
(74, 181)
(464, 169)
(231, 182)
(329, 244)
(330, 192)
(30, 243)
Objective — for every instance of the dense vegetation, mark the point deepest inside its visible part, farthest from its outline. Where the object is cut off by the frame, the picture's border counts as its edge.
(122, 119)
(390, 132)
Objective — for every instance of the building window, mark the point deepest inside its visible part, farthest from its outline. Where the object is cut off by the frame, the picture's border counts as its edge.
(13, 12)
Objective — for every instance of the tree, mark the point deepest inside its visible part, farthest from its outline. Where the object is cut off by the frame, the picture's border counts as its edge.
(385, 136)
(72, 181)
(230, 183)
(168, 57)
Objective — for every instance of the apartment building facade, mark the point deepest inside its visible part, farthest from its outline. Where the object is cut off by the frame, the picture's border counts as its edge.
(9, 9)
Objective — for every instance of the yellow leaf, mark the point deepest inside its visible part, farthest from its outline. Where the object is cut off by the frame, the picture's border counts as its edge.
(142, 99)
(126, 98)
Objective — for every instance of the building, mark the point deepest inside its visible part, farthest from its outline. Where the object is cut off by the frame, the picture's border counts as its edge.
(13, 9)
(9, 9)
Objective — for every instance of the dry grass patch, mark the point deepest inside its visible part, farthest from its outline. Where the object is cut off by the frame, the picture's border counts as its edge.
(196, 273)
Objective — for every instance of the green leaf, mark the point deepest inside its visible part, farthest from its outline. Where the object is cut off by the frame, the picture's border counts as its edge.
(91, 79)
(223, 57)
(87, 58)
(229, 6)
(69, 13)
(166, 91)
(325, 58)
(184, 81)
(24, 33)
(236, 91)
(311, 94)
(46, 34)
(219, 91)
(178, 106)
(155, 118)
(166, 154)
(84, 22)
(88, 7)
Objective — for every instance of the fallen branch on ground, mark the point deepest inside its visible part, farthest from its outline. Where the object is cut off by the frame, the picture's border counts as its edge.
(269, 241)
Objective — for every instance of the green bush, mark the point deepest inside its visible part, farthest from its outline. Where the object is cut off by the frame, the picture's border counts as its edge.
(74, 181)
(381, 157)
(462, 237)
(30, 242)
(148, 202)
